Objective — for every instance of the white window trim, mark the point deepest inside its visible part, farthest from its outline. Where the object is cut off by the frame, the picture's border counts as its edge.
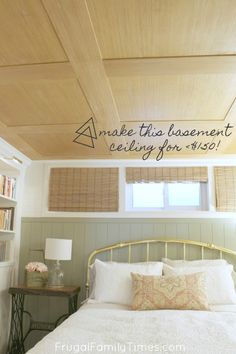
(123, 213)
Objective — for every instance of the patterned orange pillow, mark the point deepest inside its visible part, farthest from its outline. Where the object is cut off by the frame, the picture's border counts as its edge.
(182, 292)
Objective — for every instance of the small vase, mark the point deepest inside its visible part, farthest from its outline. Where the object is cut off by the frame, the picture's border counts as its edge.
(36, 279)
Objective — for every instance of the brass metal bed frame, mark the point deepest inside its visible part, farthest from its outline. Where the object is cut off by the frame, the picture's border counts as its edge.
(129, 245)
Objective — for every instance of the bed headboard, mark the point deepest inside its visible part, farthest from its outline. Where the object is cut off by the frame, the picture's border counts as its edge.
(147, 244)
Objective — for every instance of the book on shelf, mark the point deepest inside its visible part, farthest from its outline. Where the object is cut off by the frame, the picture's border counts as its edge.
(6, 218)
(8, 186)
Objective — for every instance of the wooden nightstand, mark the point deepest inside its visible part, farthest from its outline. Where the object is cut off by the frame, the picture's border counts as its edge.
(17, 337)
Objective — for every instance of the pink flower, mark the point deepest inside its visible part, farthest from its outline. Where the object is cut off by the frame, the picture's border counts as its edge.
(36, 267)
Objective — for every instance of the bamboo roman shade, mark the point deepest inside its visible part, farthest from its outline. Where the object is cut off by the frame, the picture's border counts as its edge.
(83, 189)
(166, 174)
(225, 182)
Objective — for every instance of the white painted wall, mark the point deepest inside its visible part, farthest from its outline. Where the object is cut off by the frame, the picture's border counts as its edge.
(35, 199)
(33, 190)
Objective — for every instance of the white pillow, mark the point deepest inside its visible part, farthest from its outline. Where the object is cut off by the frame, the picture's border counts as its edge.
(234, 278)
(91, 281)
(92, 277)
(113, 281)
(219, 281)
(196, 263)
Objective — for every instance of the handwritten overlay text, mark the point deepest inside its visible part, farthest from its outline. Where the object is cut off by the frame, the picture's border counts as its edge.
(161, 140)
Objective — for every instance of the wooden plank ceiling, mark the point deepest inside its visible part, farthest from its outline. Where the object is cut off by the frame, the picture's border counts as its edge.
(120, 62)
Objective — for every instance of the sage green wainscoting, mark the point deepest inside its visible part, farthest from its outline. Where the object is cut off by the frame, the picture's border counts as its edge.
(92, 233)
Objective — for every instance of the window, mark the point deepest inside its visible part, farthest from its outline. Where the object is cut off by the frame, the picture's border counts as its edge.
(148, 195)
(167, 196)
(184, 194)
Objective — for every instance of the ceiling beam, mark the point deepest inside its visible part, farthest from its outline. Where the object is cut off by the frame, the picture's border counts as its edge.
(226, 144)
(19, 143)
(198, 65)
(22, 73)
(72, 23)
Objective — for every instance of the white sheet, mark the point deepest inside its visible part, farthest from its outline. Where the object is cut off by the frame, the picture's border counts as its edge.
(121, 330)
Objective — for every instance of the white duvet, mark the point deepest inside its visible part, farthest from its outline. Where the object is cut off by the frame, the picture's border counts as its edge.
(107, 328)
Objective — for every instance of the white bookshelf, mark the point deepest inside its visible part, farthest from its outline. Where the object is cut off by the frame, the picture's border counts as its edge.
(8, 235)
(12, 237)
(9, 267)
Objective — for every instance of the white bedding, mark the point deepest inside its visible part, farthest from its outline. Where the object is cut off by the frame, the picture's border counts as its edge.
(108, 328)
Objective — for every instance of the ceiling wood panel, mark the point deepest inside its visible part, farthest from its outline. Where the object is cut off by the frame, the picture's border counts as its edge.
(24, 73)
(26, 34)
(66, 128)
(43, 102)
(174, 98)
(62, 145)
(157, 28)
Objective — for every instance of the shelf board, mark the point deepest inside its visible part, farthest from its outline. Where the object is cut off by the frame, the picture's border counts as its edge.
(7, 232)
(7, 200)
(8, 165)
(6, 263)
